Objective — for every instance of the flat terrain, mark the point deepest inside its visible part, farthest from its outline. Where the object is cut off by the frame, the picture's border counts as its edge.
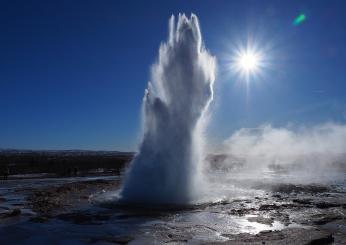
(83, 210)
(31, 164)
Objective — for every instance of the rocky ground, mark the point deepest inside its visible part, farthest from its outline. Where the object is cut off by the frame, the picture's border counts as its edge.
(284, 214)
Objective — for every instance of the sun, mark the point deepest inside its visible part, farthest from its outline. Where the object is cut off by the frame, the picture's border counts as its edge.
(248, 61)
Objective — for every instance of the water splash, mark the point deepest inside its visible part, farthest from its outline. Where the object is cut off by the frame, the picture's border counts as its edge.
(167, 169)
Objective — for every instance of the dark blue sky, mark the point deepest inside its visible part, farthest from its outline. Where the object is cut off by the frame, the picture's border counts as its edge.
(73, 73)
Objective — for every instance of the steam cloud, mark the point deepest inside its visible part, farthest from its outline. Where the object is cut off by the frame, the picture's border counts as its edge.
(167, 168)
(307, 152)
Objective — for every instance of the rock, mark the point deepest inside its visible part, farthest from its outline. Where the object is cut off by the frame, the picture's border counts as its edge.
(324, 219)
(242, 211)
(266, 231)
(322, 241)
(323, 205)
(290, 188)
(122, 239)
(115, 240)
(84, 218)
(15, 212)
(268, 207)
(40, 219)
(302, 201)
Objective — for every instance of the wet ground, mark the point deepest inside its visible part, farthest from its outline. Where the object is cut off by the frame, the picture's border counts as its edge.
(82, 211)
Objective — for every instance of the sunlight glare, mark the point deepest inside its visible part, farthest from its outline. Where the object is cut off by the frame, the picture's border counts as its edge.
(248, 61)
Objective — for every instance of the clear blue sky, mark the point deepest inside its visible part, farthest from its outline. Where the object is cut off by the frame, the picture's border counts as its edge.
(73, 73)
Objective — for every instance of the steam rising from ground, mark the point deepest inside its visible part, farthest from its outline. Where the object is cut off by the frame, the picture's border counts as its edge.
(167, 168)
(305, 153)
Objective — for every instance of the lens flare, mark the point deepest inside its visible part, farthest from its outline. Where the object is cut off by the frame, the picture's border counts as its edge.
(299, 19)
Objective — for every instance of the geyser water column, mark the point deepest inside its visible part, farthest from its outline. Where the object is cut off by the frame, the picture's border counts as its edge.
(167, 168)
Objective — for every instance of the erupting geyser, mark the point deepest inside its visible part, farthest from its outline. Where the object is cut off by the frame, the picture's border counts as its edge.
(167, 169)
